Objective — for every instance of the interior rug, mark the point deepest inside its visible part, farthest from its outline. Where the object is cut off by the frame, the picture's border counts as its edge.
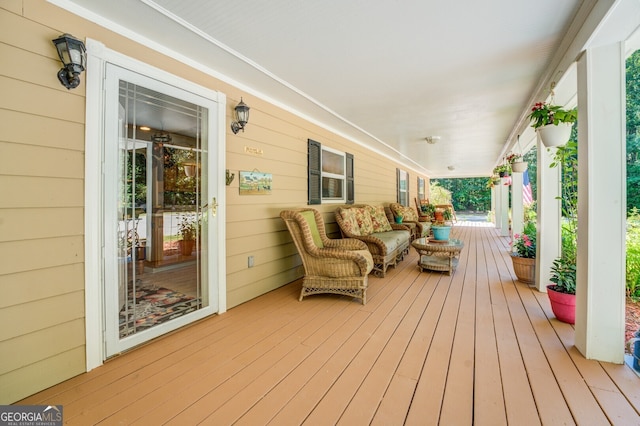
(152, 306)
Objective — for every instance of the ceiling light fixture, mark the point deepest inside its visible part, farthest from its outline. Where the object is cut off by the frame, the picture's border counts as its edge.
(242, 117)
(432, 139)
(73, 56)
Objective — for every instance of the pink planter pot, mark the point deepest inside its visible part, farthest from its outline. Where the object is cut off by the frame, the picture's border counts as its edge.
(563, 305)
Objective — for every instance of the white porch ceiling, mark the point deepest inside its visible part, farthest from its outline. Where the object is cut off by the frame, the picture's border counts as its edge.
(385, 73)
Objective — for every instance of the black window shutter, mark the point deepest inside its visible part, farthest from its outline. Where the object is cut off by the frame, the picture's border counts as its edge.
(350, 183)
(315, 174)
(398, 200)
(406, 199)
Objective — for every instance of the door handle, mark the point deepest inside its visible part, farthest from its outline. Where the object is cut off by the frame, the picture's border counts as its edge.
(214, 207)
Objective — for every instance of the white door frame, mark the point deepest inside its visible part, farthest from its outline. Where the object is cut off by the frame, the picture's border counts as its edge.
(97, 57)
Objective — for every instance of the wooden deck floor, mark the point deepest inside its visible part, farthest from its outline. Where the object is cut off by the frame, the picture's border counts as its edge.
(476, 347)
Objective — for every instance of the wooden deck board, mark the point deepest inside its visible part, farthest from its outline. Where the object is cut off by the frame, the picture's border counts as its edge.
(476, 347)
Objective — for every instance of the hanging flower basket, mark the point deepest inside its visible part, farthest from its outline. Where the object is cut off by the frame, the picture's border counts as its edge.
(555, 135)
(519, 166)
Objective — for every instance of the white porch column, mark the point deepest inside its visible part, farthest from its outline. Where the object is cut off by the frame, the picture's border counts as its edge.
(493, 204)
(497, 208)
(549, 238)
(517, 207)
(504, 207)
(600, 303)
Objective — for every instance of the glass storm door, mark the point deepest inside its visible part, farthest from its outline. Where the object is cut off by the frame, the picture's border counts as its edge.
(159, 223)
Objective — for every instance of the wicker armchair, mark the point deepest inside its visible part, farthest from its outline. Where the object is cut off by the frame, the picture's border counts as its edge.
(331, 265)
(387, 247)
(411, 219)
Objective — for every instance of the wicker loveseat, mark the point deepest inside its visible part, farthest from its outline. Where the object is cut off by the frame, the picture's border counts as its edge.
(339, 266)
(387, 242)
(411, 219)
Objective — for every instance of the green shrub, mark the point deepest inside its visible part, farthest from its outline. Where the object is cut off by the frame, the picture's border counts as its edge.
(633, 254)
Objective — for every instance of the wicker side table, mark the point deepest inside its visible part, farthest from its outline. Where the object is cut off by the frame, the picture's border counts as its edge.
(438, 256)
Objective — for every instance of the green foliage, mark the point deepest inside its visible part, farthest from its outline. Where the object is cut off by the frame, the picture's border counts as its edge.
(465, 193)
(633, 130)
(438, 194)
(543, 114)
(633, 254)
(525, 243)
(563, 275)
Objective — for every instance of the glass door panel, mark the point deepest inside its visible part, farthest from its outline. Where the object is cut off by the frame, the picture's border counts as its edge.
(156, 210)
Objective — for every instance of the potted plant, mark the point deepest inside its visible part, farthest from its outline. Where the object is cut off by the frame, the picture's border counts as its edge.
(399, 217)
(552, 123)
(563, 270)
(441, 231)
(187, 230)
(524, 256)
(502, 170)
(517, 165)
(427, 210)
(562, 294)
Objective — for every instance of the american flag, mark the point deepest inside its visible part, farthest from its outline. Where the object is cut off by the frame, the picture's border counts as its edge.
(527, 195)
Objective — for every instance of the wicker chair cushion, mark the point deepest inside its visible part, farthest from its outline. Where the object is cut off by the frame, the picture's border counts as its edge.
(313, 227)
(379, 219)
(410, 214)
(392, 239)
(350, 222)
(364, 220)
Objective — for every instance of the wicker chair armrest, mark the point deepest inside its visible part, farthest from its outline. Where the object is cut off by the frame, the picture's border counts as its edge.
(341, 254)
(399, 227)
(345, 244)
(374, 244)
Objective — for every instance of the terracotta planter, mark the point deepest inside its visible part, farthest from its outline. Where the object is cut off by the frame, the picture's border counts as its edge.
(563, 305)
(186, 247)
(552, 135)
(519, 167)
(525, 269)
(439, 216)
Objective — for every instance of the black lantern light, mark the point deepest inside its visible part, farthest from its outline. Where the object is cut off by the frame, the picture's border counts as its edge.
(73, 55)
(242, 117)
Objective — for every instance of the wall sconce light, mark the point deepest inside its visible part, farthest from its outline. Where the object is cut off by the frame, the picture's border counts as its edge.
(73, 56)
(242, 117)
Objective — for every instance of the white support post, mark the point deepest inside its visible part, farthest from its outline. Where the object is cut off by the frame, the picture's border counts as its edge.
(549, 238)
(493, 204)
(498, 206)
(517, 206)
(504, 208)
(600, 292)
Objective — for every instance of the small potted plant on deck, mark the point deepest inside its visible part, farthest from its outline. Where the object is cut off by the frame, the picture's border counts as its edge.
(562, 293)
(553, 123)
(524, 256)
(187, 231)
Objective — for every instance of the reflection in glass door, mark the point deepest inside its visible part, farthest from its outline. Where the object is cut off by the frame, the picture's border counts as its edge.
(156, 210)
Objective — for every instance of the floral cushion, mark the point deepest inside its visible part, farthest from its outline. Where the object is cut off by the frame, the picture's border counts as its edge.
(410, 214)
(364, 220)
(379, 219)
(350, 223)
